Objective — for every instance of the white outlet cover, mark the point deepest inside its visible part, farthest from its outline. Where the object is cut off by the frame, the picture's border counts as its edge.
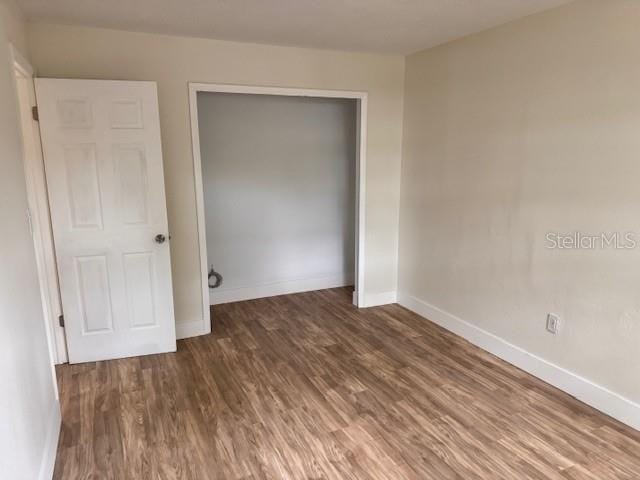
(553, 323)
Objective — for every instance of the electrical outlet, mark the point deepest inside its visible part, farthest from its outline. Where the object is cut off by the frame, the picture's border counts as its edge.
(553, 323)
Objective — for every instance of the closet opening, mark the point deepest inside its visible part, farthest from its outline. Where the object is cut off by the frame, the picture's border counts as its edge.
(279, 178)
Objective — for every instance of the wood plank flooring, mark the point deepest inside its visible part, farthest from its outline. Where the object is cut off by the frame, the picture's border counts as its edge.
(306, 386)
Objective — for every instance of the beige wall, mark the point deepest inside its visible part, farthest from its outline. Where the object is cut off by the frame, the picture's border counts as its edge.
(74, 52)
(14, 25)
(509, 134)
(29, 414)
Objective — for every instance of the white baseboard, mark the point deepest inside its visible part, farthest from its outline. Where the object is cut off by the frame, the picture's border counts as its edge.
(194, 328)
(48, 461)
(217, 296)
(581, 388)
(377, 299)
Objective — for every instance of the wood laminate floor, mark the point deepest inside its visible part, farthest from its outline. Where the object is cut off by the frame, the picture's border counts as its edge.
(307, 387)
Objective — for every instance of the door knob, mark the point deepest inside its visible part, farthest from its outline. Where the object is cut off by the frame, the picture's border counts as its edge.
(160, 238)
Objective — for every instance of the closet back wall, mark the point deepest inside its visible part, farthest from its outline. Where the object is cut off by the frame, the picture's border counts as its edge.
(279, 191)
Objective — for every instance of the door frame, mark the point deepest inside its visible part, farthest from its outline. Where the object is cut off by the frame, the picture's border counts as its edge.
(361, 144)
(39, 215)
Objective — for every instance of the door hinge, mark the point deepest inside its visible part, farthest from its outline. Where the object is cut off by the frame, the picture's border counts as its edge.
(61, 320)
(34, 113)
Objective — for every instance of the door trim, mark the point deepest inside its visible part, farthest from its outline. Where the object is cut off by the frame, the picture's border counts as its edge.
(35, 179)
(361, 143)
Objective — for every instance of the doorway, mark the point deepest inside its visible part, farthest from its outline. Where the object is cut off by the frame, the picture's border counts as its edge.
(97, 213)
(297, 148)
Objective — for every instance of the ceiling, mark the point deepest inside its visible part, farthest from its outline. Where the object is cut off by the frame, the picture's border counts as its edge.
(383, 26)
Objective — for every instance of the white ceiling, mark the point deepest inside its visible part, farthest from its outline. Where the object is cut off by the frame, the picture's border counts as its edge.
(385, 26)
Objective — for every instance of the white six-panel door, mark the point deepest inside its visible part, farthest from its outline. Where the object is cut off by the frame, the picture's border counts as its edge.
(103, 162)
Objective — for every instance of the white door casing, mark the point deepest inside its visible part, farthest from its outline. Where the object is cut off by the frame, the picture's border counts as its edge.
(38, 201)
(103, 162)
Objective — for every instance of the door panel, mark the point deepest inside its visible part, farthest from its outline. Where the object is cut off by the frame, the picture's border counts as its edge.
(103, 160)
(139, 274)
(131, 166)
(82, 186)
(93, 294)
